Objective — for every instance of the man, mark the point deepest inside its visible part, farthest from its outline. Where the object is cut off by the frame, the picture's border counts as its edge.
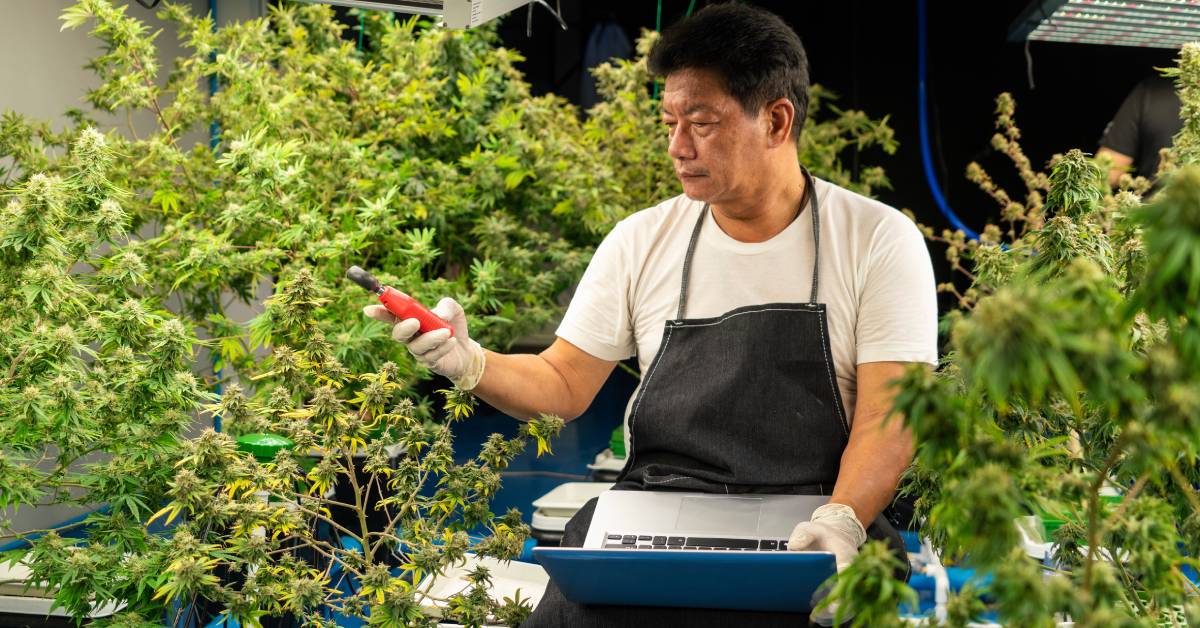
(769, 311)
(1145, 124)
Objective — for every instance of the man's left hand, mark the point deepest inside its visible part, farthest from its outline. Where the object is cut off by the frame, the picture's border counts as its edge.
(833, 528)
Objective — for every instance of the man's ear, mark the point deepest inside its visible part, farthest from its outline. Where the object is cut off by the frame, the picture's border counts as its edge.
(781, 115)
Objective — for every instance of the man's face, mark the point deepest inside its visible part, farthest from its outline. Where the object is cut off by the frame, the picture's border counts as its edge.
(719, 151)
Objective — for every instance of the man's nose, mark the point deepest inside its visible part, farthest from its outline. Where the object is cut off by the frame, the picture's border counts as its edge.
(681, 146)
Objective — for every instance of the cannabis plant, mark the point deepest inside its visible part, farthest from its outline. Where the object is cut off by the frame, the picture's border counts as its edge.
(272, 538)
(96, 386)
(419, 154)
(1071, 392)
(97, 394)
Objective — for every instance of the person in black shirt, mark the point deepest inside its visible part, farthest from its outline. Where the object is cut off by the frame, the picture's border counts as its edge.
(1146, 123)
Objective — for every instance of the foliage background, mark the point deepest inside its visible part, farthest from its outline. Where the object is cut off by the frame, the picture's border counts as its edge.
(420, 155)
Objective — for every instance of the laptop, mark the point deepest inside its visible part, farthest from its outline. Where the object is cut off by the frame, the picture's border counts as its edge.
(649, 548)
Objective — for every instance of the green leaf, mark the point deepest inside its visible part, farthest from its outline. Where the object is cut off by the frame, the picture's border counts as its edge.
(168, 200)
(74, 17)
(514, 178)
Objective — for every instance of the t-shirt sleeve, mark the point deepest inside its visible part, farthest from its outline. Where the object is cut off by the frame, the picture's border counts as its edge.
(897, 313)
(1122, 134)
(599, 319)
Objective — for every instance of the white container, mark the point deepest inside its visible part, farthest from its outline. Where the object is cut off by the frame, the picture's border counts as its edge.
(1032, 539)
(36, 601)
(606, 461)
(566, 499)
(507, 579)
(545, 523)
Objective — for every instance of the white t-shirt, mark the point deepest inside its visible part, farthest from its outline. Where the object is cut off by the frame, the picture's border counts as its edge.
(876, 281)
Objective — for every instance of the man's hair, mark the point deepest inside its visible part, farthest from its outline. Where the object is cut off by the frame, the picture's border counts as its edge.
(757, 55)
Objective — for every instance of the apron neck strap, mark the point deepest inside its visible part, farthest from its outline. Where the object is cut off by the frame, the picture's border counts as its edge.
(814, 205)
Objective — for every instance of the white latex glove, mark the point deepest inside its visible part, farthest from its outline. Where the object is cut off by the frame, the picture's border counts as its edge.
(833, 528)
(455, 357)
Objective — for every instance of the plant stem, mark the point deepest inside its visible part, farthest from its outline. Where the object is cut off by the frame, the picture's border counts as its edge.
(327, 501)
(331, 522)
(137, 64)
(1094, 507)
(368, 552)
(1124, 505)
(1085, 450)
(12, 368)
(1132, 582)
(330, 554)
(629, 369)
(1187, 582)
(410, 502)
(29, 533)
(1184, 485)
(129, 122)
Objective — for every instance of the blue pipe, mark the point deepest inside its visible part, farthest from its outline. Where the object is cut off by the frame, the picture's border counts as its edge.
(214, 129)
(923, 118)
(214, 138)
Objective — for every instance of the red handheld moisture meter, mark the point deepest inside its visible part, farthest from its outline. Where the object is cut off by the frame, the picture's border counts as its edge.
(399, 304)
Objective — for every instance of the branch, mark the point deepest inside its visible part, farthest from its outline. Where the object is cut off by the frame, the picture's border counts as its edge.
(38, 532)
(1128, 499)
(331, 522)
(413, 496)
(330, 555)
(12, 368)
(1132, 583)
(962, 299)
(1114, 456)
(129, 123)
(1184, 486)
(1186, 580)
(368, 552)
(137, 64)
(325, 500)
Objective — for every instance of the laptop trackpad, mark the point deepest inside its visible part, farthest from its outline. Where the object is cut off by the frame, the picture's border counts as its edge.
(723, 515)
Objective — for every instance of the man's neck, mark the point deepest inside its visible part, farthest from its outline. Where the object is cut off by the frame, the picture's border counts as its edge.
(762, 216)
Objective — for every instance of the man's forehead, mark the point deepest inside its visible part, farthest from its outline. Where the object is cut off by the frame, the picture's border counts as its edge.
(694, 91)
(685, 106)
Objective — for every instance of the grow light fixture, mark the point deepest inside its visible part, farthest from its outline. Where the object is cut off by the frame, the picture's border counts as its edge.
(454, 13)
(1145, 23)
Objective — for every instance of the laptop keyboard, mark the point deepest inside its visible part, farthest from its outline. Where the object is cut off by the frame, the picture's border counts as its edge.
(648, 541)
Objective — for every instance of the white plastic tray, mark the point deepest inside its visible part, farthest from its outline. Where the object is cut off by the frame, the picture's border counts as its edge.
(606, 461)
(37, 600)
(546, 523)
(566, 499)
(1031, 537)
(507, 579)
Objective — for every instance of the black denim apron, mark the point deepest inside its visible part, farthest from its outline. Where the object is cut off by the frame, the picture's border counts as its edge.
(746, 402)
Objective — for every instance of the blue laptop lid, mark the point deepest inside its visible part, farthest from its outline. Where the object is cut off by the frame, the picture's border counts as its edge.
(759, 581)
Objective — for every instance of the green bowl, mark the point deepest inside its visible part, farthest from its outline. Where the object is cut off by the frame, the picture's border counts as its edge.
(617, 442)
(264, 447)
(1050, 523)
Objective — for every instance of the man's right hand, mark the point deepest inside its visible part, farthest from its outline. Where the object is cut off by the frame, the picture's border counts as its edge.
(456, 357)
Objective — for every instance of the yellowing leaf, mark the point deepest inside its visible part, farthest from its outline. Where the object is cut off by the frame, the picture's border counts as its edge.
(172, 508)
